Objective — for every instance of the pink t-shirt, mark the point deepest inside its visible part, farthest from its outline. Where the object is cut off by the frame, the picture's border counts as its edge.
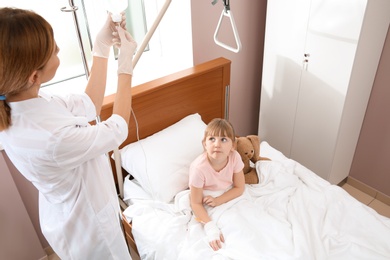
(202, 174)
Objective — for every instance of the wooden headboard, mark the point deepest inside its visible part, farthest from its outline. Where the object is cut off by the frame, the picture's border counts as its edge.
(162, 102)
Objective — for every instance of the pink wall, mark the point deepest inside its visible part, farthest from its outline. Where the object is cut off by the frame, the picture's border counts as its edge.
(371, 162)
(29, 196)
(19, 239)
(246, 65)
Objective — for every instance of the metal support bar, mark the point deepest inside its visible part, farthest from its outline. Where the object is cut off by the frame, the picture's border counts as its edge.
(150, 32)
(227, 96)
(148, 36)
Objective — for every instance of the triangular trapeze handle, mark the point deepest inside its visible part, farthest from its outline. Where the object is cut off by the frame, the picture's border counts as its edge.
(229, 14)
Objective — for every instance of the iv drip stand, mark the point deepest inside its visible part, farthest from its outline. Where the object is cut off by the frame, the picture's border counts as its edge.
(137, 56)
(73, 10)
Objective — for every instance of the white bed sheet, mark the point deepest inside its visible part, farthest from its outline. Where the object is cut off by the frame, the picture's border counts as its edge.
(291, 214)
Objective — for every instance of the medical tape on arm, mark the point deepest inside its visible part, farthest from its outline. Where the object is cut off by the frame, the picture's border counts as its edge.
(212, 231)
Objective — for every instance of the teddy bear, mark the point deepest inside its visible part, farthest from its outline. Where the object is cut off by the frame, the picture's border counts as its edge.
(249, 149)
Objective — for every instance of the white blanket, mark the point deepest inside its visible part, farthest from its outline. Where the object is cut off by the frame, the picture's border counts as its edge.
(291, 214)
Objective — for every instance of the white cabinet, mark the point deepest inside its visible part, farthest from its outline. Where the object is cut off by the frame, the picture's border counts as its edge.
(320, 61)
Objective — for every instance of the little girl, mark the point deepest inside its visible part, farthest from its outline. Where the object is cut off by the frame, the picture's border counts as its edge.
(218, 168)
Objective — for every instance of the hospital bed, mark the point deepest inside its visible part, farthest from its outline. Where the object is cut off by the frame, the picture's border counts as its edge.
(291, 214)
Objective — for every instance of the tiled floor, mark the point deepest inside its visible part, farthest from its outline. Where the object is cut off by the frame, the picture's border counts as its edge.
(364, 198)
(53, 256)
(367, 199)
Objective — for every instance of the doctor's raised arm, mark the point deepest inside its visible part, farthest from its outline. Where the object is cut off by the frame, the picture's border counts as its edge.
(112, 34)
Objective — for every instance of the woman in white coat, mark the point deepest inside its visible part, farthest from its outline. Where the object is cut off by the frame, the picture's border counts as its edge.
(51, 142)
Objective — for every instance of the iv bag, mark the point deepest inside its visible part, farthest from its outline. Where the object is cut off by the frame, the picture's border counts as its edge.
(115, 7)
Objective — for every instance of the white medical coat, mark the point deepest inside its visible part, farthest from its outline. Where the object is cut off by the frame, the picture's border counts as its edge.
(52, 144)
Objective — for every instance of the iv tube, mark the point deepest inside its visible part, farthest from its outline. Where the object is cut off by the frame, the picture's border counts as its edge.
(115, 7)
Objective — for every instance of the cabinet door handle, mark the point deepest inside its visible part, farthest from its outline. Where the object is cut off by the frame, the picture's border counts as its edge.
(306, 61)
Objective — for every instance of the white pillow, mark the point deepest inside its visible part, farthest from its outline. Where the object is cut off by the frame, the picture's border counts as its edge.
(160, 163)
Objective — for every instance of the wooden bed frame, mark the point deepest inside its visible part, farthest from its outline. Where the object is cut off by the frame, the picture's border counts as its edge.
(157, 104)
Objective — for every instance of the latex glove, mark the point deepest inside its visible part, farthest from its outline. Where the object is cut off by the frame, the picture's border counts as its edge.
(127, 47)
(105, 38)
(214, 235)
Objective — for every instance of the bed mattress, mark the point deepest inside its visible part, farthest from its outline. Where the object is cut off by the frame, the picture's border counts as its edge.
(291, 214)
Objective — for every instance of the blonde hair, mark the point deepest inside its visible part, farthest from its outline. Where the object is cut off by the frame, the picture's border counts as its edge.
(219, 127)
(26, 44)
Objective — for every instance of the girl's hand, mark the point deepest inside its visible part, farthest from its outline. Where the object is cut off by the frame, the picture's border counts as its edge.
(214, 235)
(217, 244)
(211, 201)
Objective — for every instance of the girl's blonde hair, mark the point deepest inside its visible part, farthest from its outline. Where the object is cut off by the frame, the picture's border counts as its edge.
(26, 44)
(220, 127)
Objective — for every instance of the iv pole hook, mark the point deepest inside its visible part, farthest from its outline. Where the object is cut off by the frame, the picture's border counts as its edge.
(73, 10)
(226, 4)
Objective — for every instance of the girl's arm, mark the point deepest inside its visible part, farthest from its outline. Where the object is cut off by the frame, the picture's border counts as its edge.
(234, 192)
(213, 233)
(196, 200)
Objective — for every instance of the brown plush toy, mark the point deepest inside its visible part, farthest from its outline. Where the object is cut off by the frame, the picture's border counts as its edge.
(249, 149)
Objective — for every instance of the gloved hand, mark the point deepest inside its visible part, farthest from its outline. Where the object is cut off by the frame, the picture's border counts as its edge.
(104, 39)
(214, 235)
(127, 47)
